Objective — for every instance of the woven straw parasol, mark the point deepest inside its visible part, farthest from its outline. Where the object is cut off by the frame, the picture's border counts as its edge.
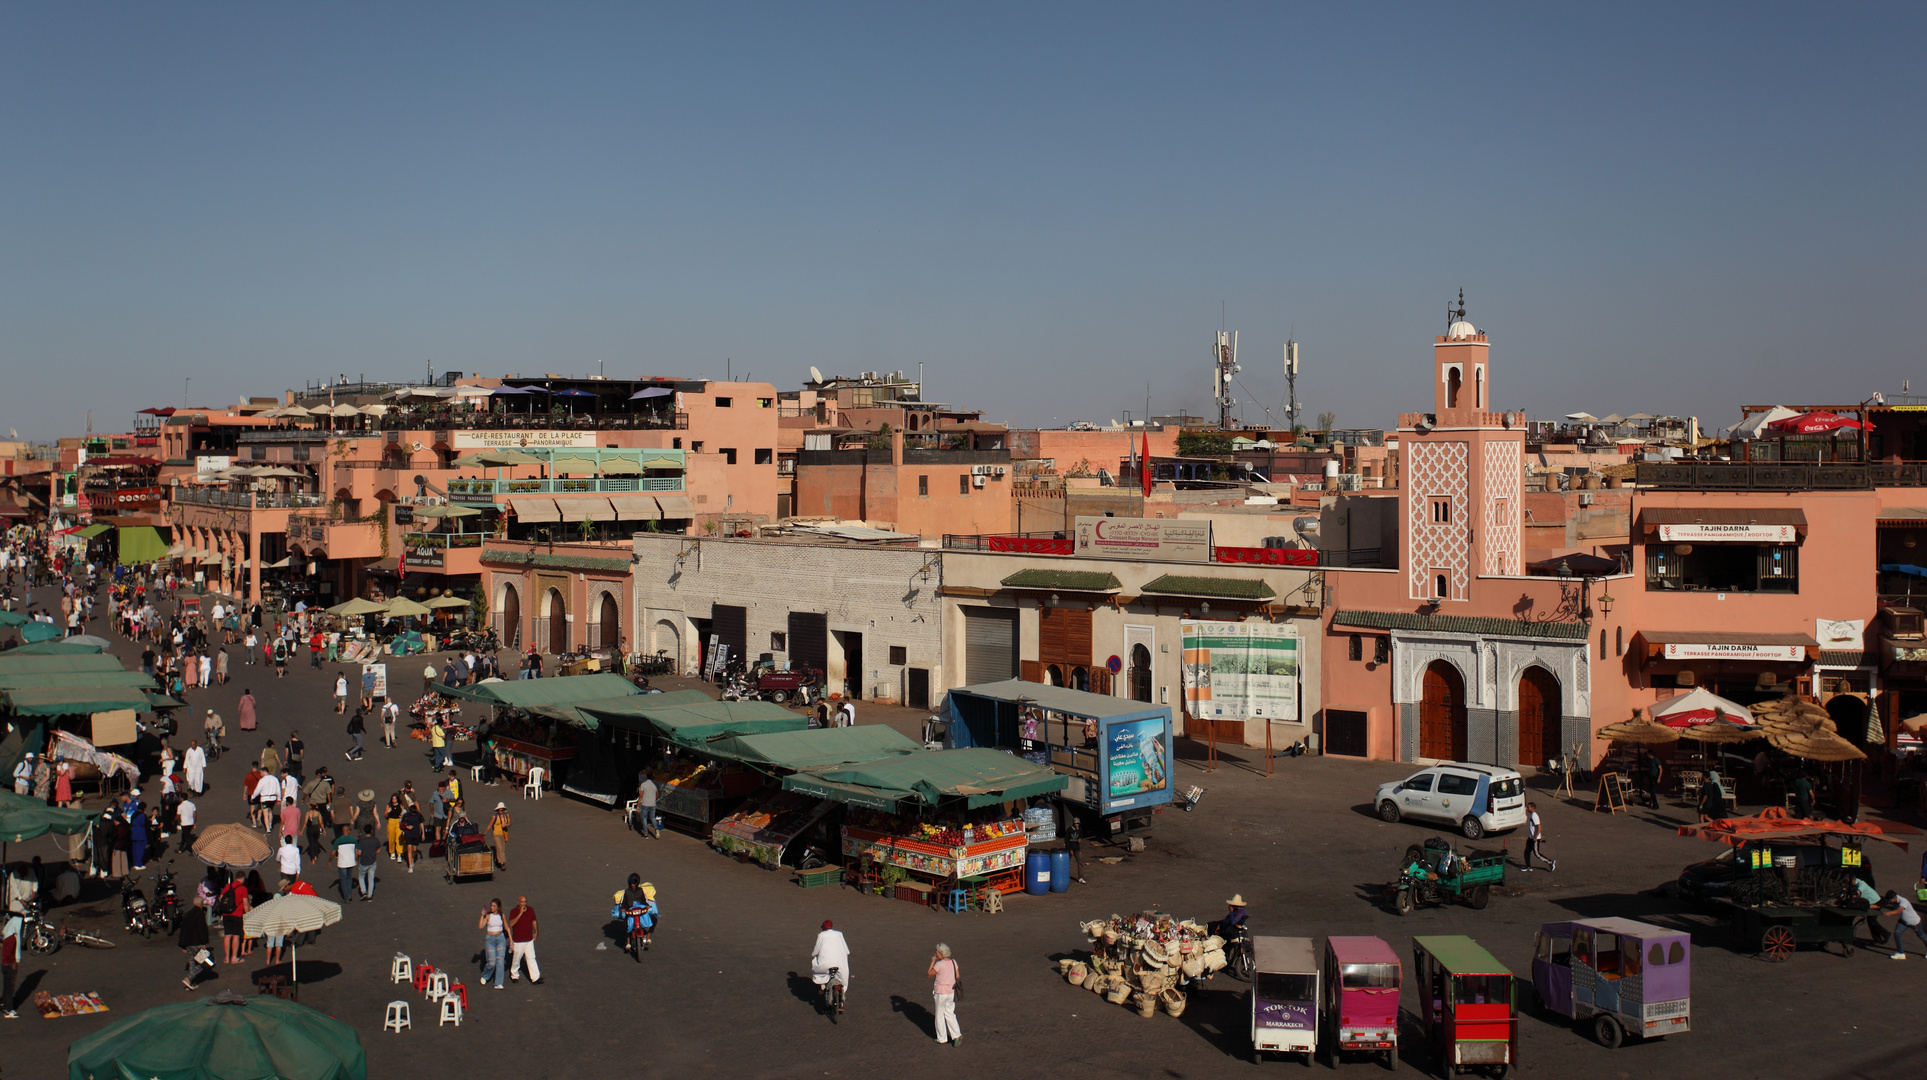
(234, 846)
(1822, 746)
(1719, 731)
(1638, 731)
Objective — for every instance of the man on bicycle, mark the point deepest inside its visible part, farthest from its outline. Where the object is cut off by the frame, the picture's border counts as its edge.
(831, 951)
(638, 908)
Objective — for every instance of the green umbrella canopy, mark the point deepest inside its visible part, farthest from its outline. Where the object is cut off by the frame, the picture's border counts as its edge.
(227, 1037)
(12, 618)
(39, 631)
(23, 818)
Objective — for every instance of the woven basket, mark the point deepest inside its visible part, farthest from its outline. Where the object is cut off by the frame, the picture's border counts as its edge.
(1077, 973)
(1152, 982)
(1118, 994)
(1214, 961)
(1193, 967)
(1147, 1006)
(1214, 943)
(1098, 984)
(1172, 1001)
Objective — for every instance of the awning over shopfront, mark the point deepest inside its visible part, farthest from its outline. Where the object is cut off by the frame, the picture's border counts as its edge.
(1726, 645)
(1079, 581)
(532, 509)
(1252, 590)
(92, 531)
(695, 724)
(676, 506)
(635, 508)
(818, 748)
(585, 508)
(66, 700)
(977, 777)
(1723, 524)
(140, 544)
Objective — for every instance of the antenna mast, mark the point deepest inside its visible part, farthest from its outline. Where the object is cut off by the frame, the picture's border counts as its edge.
(1291, 386)
(1224, 360)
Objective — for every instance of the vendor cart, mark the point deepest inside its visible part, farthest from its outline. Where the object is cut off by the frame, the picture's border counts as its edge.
(1773, 931)
(472, 859)
(1438, 873)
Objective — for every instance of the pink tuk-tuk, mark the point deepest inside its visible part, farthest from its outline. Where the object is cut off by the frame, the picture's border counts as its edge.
(1361, 999)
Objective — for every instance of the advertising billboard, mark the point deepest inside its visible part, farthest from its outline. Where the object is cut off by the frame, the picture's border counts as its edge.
(1160, 539)
(1240, 671)
(1137, 763)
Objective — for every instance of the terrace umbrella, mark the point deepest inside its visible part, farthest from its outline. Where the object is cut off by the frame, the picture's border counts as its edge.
(402, 607)
(1638, 731)
(1815, 423)
(233, 846)
(39, 631)
(357, 606)
(445, 511)
(447, 602)
(560, 465)
(1698, 707)
(1583, 417)
(1819, 746)
(291, 913)
(573, 394)
(652, 392)
(225, 1037)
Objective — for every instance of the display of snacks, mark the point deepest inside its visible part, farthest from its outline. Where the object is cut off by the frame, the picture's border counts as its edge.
(54, 1006)
(767, 824)
(938, 851)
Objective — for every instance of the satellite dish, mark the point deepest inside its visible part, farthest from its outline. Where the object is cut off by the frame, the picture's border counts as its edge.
(13, 433)
(815, 375)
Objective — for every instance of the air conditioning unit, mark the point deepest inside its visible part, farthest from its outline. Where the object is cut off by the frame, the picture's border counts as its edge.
(977, 481)
(1000, 470)
(1585, 498)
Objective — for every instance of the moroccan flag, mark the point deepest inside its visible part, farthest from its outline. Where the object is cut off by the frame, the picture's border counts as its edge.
(1144, 465)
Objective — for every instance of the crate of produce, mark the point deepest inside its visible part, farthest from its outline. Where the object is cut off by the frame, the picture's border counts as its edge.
(915, 892)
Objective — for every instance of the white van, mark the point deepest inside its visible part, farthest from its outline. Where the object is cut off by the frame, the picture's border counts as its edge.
(1475, 799)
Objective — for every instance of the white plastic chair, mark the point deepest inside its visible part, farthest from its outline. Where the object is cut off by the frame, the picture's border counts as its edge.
(533, 789)
(451, 1011)
(402, 970)
(397, 1017)
(475, 772)
(438, 986)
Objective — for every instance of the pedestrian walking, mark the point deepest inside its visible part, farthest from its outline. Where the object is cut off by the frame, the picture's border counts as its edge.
(293, 751)
(249, 645)
(357, 725)
(438, 755)
(1074, 846)
(271, 758)
(522, 929)
(347, 859)
(288, 859)
(244, 710)
(232, 906)
(944, 977)
(185, 814)
(390, 713)
(367, 855)
(341, 692)
(498, 834)
(495, 943)
(1536, 835)
(9, 962)
(646, 807)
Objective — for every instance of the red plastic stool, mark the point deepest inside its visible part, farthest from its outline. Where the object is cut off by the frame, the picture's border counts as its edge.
(460, 992)
(421, 977)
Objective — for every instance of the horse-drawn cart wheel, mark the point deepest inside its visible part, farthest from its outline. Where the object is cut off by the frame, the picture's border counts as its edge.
(1777, 943)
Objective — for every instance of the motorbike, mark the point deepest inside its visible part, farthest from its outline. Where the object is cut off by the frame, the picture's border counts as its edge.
(133, 908)
(167, 912)
(44, 938)
(1237, 952)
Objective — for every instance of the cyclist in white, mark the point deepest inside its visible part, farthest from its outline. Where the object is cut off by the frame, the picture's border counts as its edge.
(831, 952)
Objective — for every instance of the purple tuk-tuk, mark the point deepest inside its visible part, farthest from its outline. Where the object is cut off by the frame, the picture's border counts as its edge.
(1626, 977)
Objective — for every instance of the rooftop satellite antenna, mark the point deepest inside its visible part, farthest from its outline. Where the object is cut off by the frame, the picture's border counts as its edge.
(815, 375)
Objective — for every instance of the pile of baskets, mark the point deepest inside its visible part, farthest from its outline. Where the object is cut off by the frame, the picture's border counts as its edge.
(1146, 961)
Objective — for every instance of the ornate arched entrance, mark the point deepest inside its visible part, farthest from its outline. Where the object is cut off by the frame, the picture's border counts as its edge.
(556, 610)
(1441, 714)
(510, 629)
(1539, 736)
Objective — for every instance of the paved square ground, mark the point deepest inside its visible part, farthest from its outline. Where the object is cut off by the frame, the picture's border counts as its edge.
(720, 994)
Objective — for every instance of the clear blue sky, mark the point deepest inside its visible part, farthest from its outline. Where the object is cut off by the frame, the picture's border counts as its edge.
(1676, 208)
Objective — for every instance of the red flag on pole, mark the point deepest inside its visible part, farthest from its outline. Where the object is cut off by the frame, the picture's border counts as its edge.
(1144, 465)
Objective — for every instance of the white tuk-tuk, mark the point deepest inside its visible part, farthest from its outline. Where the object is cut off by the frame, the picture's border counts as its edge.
(1284, 996)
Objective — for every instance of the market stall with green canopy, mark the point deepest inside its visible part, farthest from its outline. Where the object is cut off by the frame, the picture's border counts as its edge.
(57, 647)
(816, 748)
(226, 1037)
(544, 728)
(13, 660)
(974, 777)
(695, 724)
(45, 680)
(140, 544)
(73, 700)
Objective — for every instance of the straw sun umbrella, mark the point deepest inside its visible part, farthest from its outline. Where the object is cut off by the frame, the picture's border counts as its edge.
(235, 847)
(1638, 731)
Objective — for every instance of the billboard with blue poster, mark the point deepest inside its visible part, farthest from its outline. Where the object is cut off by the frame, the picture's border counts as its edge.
(1137, 763)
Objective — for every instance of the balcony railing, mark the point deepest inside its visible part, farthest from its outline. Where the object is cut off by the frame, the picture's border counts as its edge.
(1778, 476)
(489, 489)
(444, 540)
(265, 500)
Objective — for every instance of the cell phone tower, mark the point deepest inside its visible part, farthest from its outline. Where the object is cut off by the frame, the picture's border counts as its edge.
(1224, 365)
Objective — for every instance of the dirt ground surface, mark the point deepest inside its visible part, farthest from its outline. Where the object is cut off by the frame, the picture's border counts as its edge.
(721, 994)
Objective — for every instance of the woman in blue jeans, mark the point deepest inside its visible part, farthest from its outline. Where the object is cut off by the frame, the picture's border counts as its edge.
(495, 944)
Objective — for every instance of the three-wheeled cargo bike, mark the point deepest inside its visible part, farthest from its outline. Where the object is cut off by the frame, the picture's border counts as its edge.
(1438, 873)
(1624, 978)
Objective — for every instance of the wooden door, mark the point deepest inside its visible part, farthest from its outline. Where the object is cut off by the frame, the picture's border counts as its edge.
(1441, 717)
(511, 631)
(1538, 717)
(610, 620)
(558, 622)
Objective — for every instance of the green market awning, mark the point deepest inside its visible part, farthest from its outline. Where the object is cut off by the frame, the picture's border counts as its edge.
(13, 661)
(50, 680)
(92, 531)
(56, 647)
(140, 544)
(226, 1037)
(1210, 588)
(12, 618)
(815, 748)
(852, 794)
(696, 724)
(977, 776)
(23, 817)
(562, 690)
(63, 701)
(1085, 581)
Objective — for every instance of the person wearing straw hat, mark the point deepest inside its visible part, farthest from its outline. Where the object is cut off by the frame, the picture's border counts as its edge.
(1234, 917)
(498, 834)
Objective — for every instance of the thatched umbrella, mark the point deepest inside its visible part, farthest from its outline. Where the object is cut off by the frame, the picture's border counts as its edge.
(1719, 731)
(1824, 746)
(1638, 731)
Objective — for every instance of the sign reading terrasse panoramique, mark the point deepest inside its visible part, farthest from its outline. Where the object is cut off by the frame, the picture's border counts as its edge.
(1690, 651)
(1162, 539)
(524, 440)
(1747, 534)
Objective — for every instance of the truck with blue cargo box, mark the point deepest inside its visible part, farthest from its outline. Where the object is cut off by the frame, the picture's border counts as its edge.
(1116, 751)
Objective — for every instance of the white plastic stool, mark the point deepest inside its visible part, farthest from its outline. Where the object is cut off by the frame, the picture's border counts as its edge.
(438, 986)
(533, 789)
(397, 1017)
(475, 772)
(452, 1010)
(403, 969)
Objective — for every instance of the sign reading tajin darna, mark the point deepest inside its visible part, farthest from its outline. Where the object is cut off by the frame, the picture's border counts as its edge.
(1159, 539)
(1716, 651)
(1752, 534)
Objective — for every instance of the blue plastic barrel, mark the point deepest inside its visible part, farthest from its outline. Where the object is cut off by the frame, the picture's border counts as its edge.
(1037, 873)
(1060, 871)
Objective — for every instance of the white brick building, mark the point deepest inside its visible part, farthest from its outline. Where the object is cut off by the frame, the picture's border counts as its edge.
(870, 617)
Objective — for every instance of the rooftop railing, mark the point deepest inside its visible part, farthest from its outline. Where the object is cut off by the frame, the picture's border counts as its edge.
(265, 500)
(489, 489)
